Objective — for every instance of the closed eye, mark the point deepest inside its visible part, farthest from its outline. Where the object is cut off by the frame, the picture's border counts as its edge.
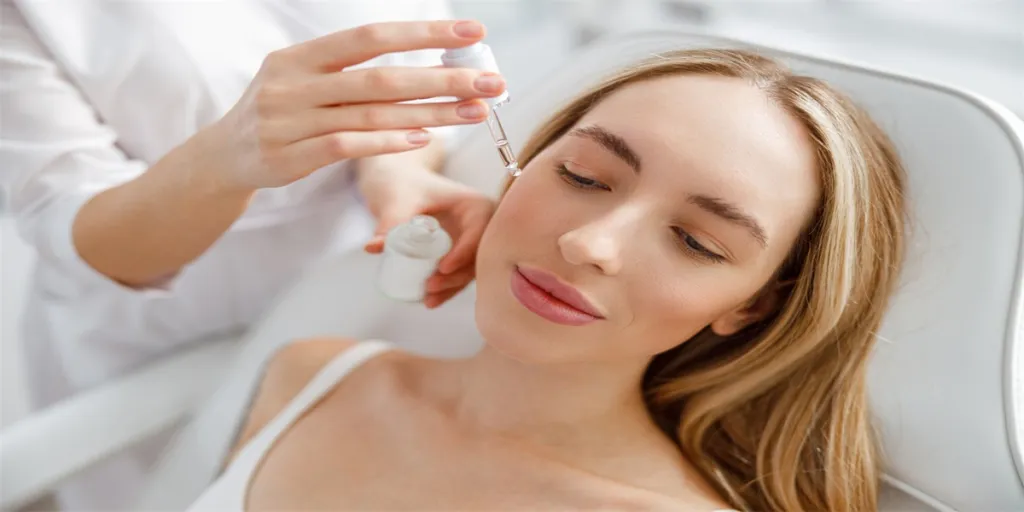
(575, 180)
(691, 245)
(685, 240)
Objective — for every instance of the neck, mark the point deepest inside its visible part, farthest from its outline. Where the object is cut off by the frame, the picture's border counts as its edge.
(552, 404)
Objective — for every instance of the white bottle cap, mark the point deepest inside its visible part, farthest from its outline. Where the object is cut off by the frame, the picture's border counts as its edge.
(475, 56)
(421, 237)
(411, 253)
(422, 229)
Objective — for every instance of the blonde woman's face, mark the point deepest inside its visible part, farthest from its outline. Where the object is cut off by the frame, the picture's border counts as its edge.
(663, 211)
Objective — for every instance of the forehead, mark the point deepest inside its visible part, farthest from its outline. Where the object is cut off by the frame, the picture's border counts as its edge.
(720, 134)
(730, 120)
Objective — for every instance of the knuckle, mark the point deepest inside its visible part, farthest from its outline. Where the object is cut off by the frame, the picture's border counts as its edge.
(459, 81)
(338, 145)
(271, 60)
(371, 34)
(397, 142)
(379, 80)
(444, 114)
(438, 30)
(374, 117)
(269, 99)
(274, 61)
(272, 156)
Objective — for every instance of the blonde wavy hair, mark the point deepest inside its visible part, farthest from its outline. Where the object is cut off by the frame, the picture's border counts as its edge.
(776, 416)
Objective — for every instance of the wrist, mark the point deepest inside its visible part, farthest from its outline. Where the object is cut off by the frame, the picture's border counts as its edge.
(209, 170)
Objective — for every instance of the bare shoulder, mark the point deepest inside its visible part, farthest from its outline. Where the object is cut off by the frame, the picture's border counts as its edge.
(645, 499)
(287, 372)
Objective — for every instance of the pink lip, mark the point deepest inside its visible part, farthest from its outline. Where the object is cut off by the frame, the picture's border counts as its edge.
(546, 295)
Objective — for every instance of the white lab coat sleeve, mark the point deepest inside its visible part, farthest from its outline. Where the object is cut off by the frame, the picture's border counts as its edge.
(56, 156)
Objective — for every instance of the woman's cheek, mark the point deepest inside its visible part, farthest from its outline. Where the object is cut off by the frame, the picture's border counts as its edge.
(677, 306)
(531, 205)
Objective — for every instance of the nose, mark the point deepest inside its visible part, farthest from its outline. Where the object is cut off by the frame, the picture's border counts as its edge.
(596, 244)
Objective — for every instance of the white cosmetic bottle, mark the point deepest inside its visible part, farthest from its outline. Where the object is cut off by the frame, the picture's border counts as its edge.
(411, 253)
(475, 56)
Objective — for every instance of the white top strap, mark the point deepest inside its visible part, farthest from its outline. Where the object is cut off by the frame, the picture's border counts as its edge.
(324, 381)
(227, 493)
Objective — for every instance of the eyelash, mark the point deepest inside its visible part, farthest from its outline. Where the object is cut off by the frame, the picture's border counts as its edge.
(685, 240)
(691, 244)
(577, 181)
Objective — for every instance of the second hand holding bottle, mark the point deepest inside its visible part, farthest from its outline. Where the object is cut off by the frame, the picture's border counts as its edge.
(412, 250)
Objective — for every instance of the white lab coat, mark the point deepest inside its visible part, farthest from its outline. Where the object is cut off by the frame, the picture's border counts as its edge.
(95, 91)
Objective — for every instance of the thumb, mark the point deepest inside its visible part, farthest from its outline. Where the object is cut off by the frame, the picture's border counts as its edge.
(387, 220)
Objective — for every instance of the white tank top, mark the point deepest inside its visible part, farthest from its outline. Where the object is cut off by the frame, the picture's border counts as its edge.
(227, 493)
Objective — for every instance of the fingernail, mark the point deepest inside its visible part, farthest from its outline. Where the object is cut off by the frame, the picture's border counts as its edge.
(489, 83)
(471, 110)
(418, 137)
(468, 29)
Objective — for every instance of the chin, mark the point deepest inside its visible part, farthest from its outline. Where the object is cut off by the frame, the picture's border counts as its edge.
(502, 327)
(514, 331)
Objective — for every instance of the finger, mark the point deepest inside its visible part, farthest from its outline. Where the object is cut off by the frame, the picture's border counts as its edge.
(356, 45)
(376, 116)
(465, 248)
(308, 155)
(387, 219)
(437, 299)
(443, 282)
(389, 84)
(375, 245)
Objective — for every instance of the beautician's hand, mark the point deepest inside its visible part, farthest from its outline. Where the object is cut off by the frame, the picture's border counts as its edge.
(305, 109)
(396, 195)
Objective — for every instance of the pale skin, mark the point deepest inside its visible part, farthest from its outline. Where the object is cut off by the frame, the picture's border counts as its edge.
(548, 416)
(304, 110)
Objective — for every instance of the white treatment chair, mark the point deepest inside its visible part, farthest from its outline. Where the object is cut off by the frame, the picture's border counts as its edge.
(947, 379)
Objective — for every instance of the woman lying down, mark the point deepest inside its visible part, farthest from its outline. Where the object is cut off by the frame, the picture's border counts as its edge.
(678, 297)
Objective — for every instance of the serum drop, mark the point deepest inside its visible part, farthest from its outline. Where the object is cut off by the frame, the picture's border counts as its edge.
(411, 253)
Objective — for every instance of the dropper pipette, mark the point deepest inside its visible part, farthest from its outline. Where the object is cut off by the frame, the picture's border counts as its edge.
(480, 56)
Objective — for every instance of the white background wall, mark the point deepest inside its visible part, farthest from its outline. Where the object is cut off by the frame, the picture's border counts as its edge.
(977, 45)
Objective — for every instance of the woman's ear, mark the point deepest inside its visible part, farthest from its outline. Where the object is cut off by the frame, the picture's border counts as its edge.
(764, 304)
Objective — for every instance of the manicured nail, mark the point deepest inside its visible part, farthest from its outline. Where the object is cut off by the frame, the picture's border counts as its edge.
(418, 137)
(469, 29)
(489, 83)
(471, 111)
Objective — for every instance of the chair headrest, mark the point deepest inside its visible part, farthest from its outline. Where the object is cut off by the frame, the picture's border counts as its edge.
(947, 379)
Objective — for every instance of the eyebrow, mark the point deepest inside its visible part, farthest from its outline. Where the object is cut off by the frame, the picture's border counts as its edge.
(731, 213)
(713, 205)
(611, 142)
